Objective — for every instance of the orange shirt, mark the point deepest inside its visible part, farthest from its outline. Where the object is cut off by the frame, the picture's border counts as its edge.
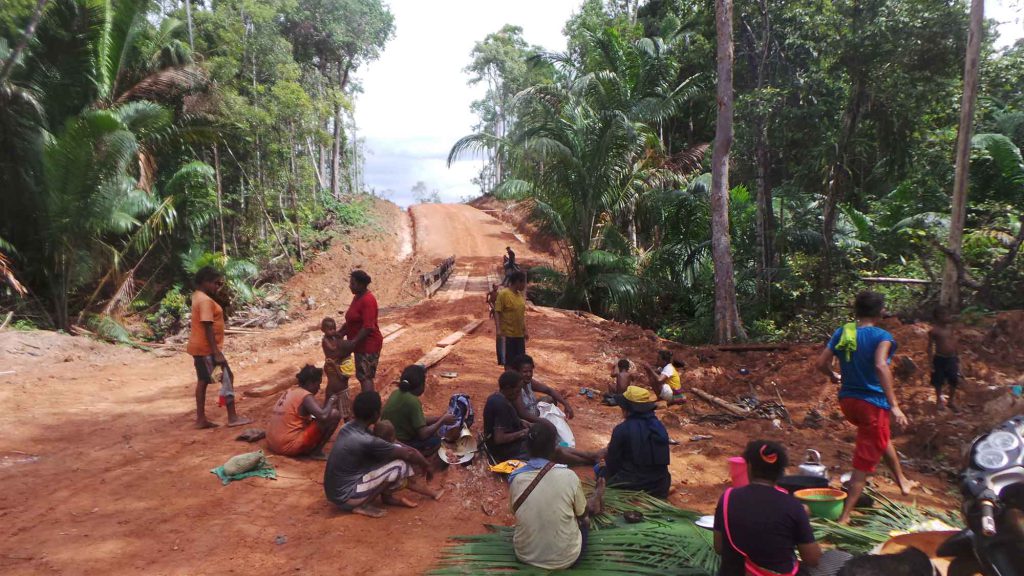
(287, 424)
(205, 309)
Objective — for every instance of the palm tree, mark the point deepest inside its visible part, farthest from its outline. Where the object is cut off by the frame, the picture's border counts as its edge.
(86, 128)
(585, 153)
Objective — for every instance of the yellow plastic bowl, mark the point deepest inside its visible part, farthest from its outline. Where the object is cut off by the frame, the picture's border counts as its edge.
(823, 502)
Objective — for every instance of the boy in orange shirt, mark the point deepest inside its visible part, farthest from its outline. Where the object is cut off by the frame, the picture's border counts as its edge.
(204, 345)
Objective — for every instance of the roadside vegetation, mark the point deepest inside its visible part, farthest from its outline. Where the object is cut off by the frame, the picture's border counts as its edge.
(841, 167)
(141, 140)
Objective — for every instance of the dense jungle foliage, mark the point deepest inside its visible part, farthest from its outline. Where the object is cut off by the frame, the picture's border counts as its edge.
(842, 165)
(140, 140)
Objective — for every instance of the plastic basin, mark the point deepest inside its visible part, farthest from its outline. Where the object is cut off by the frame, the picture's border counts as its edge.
(823, 502)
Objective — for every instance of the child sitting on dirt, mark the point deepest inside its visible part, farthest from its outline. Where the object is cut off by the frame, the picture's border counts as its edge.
(621, 379)
(943, 346)
(667, 383)
(385, 430)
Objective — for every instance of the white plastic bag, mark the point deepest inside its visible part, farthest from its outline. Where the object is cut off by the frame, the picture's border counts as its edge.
(553, 414)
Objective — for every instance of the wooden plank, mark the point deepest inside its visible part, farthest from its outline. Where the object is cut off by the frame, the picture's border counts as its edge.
(434, 356)
(472, 326)
(390, 329)
(450, 339)
(394, 335)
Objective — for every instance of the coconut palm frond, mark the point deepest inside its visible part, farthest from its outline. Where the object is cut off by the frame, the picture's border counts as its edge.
(166, 84)
(667, 542)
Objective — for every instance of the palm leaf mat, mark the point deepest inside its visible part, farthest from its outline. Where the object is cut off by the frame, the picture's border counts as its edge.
(666, 542)
(877, 524)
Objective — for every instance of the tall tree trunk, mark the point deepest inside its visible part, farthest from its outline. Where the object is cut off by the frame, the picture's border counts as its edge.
(727, 318)
(838, 179)
(220, 200)
(336, 147)
(758, 54)
(949, 298)
(26, 37)
(188, 19)
(765, 217)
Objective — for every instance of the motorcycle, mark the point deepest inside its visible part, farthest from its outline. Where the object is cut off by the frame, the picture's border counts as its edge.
(992, 486)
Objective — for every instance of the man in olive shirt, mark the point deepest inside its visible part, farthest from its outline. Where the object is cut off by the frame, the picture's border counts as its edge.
(510, 316)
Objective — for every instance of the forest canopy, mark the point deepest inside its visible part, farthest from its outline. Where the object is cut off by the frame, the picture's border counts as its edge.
(841, 167)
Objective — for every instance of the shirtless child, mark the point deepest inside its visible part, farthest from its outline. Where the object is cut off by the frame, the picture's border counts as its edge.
(943, 346)
(621, 379)
(338, 364)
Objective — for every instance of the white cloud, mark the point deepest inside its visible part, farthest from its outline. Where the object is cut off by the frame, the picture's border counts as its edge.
(415, 103)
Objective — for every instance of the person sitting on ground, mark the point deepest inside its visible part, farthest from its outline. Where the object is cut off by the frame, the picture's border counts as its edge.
(866, 396)
(339, 365)
(621, 379)
(405, 411)
(363, 466)
(761, 524)
(299, 425)
(667, 383)
(505, 432)
(526, 407)
(638, 452)
(549, 505)
(943, 346)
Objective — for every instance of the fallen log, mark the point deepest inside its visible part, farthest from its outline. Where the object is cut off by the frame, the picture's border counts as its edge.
(278, 383)
(723, 404)
(752, 347)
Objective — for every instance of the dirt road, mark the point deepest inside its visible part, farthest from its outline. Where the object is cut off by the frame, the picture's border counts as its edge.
(101, 472)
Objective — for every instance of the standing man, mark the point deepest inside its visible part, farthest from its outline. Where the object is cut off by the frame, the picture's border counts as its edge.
(510, 317)
(866, 395)
(204, 345)
(361, 321)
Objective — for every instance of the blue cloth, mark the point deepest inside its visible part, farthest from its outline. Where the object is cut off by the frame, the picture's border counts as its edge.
(860, 380)
(638, 455)
(534, 464)
(460, 406)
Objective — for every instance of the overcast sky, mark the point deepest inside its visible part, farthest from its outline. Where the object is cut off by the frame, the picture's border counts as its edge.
(415, 100)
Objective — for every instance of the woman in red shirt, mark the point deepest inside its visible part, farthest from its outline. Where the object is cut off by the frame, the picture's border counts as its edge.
(361, 320)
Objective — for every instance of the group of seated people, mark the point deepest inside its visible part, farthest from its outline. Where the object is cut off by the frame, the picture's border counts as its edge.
(385, 447)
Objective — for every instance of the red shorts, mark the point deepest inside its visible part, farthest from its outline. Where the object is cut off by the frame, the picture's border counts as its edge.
(873, 435)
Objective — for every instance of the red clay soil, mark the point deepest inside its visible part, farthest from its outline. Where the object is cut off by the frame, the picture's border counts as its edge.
(102, 472)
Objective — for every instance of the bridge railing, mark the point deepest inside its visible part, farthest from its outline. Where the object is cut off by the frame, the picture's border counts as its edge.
(433, 281)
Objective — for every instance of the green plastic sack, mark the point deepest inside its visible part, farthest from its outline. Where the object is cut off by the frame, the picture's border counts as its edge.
(244, 463)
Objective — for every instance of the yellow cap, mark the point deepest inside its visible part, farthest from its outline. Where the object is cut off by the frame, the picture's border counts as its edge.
(639, 395)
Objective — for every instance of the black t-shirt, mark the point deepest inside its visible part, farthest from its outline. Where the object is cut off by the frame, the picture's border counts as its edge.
(499, 412)
(764, 523)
